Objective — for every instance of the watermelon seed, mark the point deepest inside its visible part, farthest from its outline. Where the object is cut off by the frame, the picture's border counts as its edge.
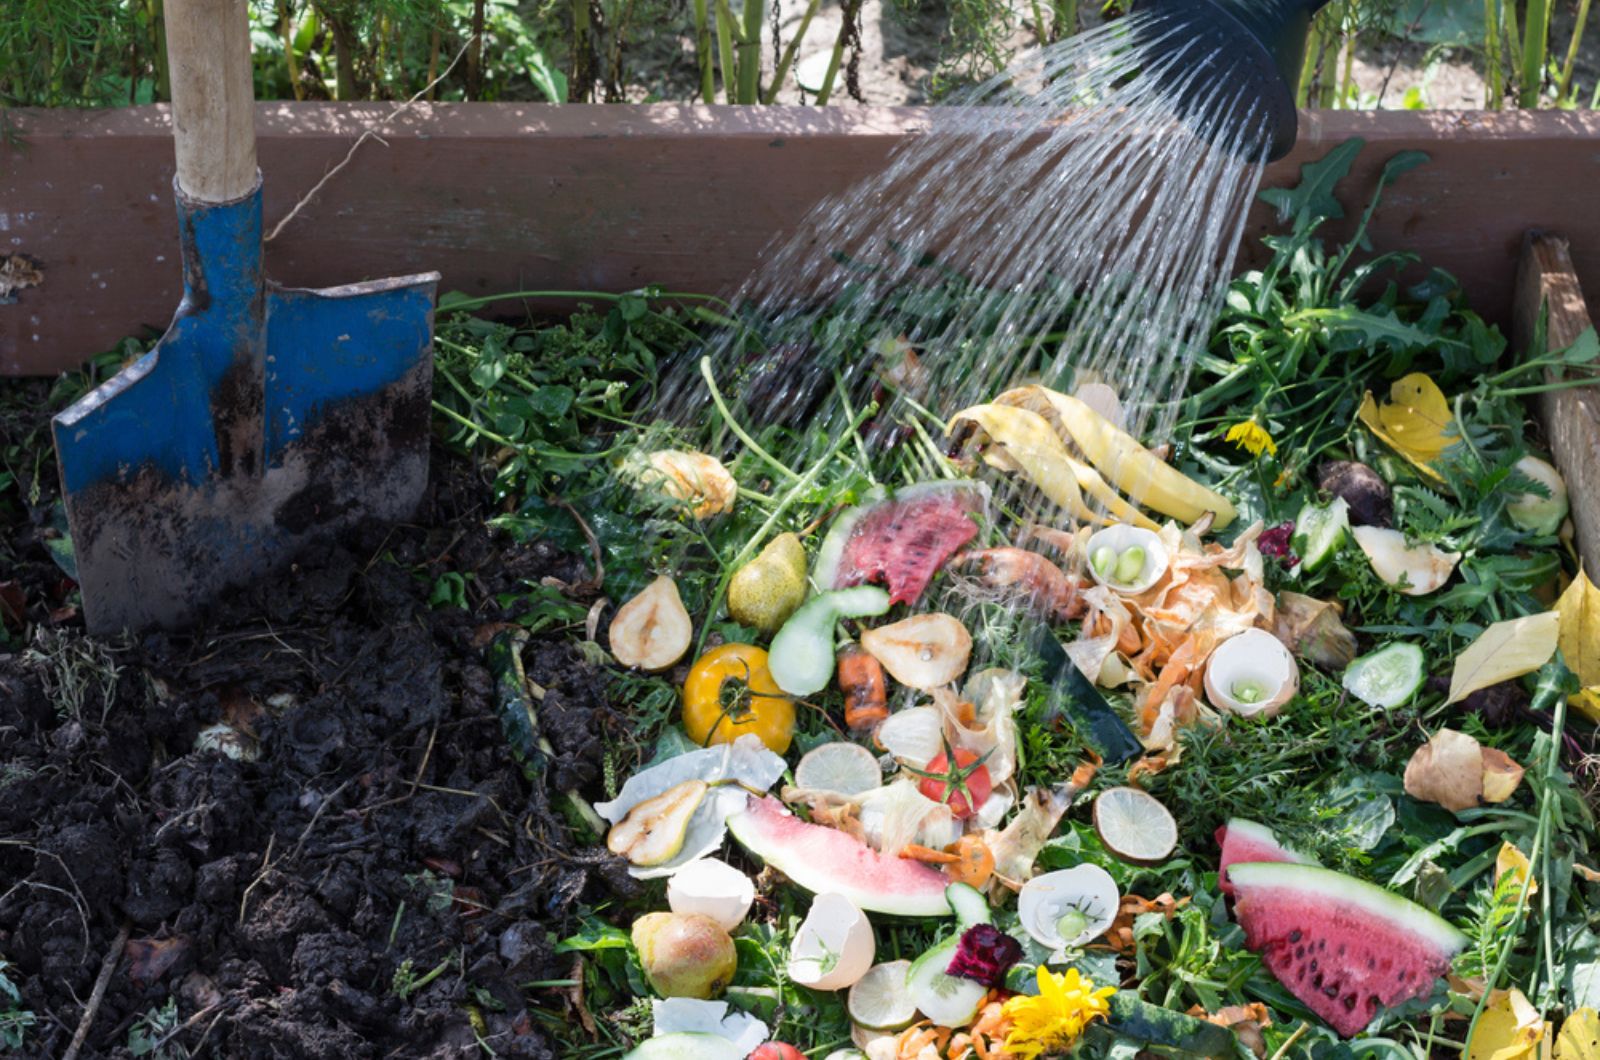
(1296, 935)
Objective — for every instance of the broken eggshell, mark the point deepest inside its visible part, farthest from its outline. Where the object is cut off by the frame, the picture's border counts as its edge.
(1251, 675)
(834, 946)
(1119, 539)
(713, 888)
(686, 1015)
(1422, 568)
(1069, 907)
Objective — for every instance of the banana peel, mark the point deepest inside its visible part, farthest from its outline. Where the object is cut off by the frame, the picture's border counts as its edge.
(1145, 478)
(1024, 441)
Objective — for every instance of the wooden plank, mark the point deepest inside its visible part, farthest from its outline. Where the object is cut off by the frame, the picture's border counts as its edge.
(1548, 284)
(516, 196)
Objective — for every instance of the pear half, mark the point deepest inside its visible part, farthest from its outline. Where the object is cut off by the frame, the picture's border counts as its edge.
(652, 833)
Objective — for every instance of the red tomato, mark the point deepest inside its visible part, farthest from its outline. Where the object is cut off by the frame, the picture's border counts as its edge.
(776, 1051)
(976, 781)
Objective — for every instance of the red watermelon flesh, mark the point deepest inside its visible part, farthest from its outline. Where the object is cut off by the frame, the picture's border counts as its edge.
(901, 540)
(1245, 840)
(1344, 947)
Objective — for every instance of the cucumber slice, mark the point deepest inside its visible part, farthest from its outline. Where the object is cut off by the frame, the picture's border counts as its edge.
(970, 905)
(945, 999)
(1387, 677)
(801, 657)
(1318, 533)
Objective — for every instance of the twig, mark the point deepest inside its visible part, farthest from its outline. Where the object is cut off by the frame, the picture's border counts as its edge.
(369, 133)
(427, 754)
(1299, 1032)
(266, 866)
(107, 966)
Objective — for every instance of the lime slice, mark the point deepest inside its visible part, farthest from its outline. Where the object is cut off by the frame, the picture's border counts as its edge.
(881, 1000)
(1134, 825)
(840, 767)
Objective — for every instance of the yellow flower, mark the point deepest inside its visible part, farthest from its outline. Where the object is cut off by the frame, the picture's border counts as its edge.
(1252, 436)
(1053, 1020)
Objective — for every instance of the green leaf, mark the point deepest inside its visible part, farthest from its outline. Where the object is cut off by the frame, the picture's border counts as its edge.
(1312, 201)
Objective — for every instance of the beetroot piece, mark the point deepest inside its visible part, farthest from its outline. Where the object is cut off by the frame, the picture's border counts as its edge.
(984, 955)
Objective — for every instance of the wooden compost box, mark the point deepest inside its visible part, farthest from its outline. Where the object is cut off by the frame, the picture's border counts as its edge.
(507, 197)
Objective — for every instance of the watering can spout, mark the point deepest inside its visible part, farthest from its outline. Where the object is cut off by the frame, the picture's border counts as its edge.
(1234, 66)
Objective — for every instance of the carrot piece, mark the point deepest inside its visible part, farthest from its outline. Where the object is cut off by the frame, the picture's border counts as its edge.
(917, 852)
(974, 862)
(866, 698)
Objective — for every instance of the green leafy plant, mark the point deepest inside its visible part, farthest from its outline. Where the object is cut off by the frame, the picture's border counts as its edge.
(14, 1018)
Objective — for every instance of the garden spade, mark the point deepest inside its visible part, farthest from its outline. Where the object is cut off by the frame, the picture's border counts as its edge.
(266, 417)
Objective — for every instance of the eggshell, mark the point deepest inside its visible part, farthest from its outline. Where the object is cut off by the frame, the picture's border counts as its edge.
(713, 888)
(833, 926)
(1256, 656)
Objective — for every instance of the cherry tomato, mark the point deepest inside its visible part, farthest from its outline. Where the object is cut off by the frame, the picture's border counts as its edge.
(776, 1051)
(953, 786)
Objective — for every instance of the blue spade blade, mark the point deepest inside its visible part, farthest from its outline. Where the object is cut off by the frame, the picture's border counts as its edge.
(265, 419)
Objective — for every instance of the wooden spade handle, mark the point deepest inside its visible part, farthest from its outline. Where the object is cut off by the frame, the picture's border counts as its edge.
(213, 113)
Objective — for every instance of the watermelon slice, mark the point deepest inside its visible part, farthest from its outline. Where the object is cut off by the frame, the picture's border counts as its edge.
(1342, 946)
(900, 540)
(1243, 840)
(827, 861)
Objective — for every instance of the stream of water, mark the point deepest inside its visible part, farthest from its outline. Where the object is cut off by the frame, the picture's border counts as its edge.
(1091, 199)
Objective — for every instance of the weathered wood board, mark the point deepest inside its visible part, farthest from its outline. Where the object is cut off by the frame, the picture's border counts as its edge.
(505, 197)
(1547, 283)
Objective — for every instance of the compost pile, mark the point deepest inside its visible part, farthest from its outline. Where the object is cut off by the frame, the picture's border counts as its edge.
(302, 812)
(840, 719)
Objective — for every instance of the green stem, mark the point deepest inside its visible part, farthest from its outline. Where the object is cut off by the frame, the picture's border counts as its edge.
(1564, 86)
(750, 52)
(1535, 43)
(738, 431)
(793, 49)
(1549, 696)
(703, 53)
(793, 494)
(730, 86)
(1492, 79)
(826, 91)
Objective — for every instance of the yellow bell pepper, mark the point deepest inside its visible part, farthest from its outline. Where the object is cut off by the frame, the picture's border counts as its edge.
(730, 692)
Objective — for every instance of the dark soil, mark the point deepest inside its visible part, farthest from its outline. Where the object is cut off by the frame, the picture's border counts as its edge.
(381, 833)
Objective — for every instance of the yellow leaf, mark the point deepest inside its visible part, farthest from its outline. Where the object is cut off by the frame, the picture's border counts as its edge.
(1580, 1036)
(1415, 422)
(1587, 701)
(1505, 650)
(1509, 1029)
(1511, 860)
(1579, 608)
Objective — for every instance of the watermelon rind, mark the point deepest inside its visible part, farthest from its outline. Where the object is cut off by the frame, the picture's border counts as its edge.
(1132, 1017)
(1401, 913)
(1260, 844)
(827, 861)
(826, 568)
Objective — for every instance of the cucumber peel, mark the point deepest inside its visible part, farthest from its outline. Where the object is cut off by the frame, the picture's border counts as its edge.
(801, 657)
(1387, 677)
(1319, 532)
(947, 1000)
(970, 905)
